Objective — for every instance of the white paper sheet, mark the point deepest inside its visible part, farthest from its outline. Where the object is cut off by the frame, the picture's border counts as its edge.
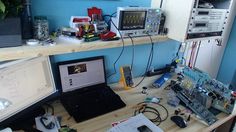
(133, 123)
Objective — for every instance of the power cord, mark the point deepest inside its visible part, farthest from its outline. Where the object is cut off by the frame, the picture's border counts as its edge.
(144, 107)
(132, 61)
(49, 106)
(177, 53)
(150, 59)
(122, 50)
(161, 4)
(110, 16)
(149, 63)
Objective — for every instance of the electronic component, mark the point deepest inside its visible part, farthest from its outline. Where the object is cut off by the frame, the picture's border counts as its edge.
(209, 92)
(144, 128)
(83, 82)
(179, 121)
(197, 19)
(96, 15)
(136, 21)
(100, 27)
(76, 21)
(198, 91)
(197, 108)
(196, 75)
(166, 69)
(107, 36)
(126, 77)
(206, 23)
(144, 91)
(160, 81)
(172, 100)
(202, 96)
(221, 95)
(68, 31)
(91, 37)
(162, 29)
(47, 122)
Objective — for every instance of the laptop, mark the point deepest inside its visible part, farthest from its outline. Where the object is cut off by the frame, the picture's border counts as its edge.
(84, 89)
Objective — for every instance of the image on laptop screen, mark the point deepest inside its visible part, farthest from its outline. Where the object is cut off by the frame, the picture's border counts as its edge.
(81, 73)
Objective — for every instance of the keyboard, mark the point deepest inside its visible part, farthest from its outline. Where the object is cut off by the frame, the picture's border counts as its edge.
(92, 103)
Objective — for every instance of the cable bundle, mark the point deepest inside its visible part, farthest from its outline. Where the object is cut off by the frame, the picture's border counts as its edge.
(146, 107)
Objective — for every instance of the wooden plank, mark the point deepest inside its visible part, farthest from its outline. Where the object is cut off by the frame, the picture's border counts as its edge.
(131, 98)
(13, 53)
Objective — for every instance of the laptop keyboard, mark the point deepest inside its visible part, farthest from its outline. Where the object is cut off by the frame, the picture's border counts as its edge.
(93, 103)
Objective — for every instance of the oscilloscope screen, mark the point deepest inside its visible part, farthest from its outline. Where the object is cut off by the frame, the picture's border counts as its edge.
(133, 20)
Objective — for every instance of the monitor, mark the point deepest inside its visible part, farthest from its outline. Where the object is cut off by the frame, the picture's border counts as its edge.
(23, 85)
(77, 74)
(132, 20)
(136, 21)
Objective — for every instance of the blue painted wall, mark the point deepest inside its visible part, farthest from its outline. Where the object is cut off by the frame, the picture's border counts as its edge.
(228, 65)
(59, 12)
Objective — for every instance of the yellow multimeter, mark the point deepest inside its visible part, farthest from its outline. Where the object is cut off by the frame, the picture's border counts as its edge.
(126, 77)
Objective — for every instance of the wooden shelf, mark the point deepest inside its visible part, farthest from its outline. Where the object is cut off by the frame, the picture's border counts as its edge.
(13, 53)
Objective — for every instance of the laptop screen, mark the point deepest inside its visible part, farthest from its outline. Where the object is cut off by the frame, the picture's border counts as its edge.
(82, 73)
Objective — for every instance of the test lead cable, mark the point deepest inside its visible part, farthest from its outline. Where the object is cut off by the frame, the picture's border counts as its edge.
(144, 107)
(122, 50)
(132, 42)
(149, 63)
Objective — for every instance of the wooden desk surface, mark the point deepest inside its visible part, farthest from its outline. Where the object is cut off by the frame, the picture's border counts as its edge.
(131, 98)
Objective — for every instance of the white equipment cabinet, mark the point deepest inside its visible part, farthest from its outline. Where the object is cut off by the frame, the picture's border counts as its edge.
(178, 17)
(188, 20)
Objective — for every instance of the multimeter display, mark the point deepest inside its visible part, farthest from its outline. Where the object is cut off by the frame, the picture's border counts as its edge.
(133, 20)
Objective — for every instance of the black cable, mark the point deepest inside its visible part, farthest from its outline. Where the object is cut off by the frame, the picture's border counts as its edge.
(143, 107)
(149, 63)
(51, 107)
(113, 14)
(156, 119)
(123, 46)
(177, 53)
(150, 59)
(132, 61)
(184, 61)
(161, 4)
(110, 16)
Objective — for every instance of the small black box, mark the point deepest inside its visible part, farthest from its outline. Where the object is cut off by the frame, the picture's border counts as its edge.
(10, 32)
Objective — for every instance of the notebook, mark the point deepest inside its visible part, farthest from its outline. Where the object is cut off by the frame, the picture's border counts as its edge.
(84, 89)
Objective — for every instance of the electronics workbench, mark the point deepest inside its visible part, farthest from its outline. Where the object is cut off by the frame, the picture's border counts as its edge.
(183, 99)
(132, 97)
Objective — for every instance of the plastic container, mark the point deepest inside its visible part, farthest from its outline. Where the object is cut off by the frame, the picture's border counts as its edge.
(41, 28)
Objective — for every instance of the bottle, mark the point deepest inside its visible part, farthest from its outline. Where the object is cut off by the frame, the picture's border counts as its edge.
(26, 21)
(41, 28)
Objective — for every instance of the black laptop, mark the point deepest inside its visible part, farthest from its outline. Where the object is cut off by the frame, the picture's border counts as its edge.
(85, 93)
